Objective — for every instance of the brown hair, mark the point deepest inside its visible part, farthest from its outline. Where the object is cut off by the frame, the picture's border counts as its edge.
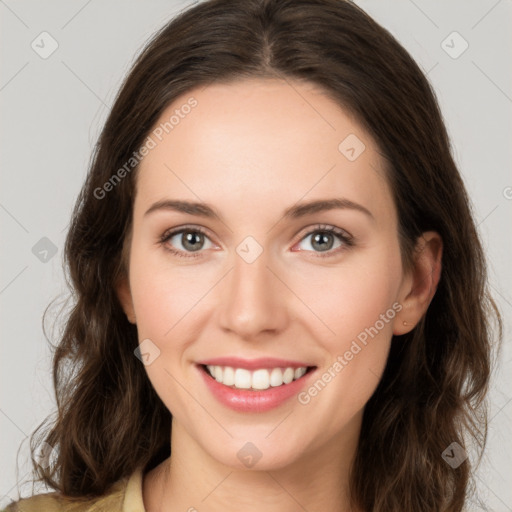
(110, 419)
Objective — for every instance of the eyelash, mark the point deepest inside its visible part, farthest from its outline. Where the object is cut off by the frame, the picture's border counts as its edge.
(347, 240)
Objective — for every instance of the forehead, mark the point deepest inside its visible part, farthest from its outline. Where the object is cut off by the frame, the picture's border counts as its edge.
(259, 143)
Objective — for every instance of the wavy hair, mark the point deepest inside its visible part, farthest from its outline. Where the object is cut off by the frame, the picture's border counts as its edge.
(110, 420)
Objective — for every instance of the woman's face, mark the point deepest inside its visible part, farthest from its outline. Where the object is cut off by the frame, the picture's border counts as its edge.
(263, 286)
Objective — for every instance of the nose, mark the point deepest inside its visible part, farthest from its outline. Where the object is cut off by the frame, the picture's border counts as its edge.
(253, 300)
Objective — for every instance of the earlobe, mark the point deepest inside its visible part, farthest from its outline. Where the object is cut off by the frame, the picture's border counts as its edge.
(421, 285)
(125, 298)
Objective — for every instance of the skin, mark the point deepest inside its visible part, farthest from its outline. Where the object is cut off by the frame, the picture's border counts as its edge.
(251, 149)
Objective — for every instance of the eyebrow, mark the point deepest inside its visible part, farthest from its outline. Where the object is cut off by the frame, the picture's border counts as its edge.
(294, 212)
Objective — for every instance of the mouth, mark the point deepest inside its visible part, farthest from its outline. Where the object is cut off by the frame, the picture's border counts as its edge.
(259, 379)
(254, 385)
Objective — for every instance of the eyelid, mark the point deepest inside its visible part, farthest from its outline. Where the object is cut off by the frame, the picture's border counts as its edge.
(329, 228)
(169, 233)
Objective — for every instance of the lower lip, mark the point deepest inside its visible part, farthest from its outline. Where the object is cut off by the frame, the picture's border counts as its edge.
(243, 400)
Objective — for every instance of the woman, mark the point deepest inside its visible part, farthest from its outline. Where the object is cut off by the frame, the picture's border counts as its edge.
(281, 296)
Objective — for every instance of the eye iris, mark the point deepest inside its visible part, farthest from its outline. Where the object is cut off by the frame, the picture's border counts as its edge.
(323, 239)
(189, 238)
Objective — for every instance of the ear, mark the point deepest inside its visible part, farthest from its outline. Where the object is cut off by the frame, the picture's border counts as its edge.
(125, 298)
(420, 284)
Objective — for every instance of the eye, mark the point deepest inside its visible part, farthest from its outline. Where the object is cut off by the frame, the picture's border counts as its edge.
(323, 238)
(191, 240)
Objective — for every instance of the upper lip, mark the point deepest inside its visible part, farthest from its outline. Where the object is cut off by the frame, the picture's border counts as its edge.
(253, 364)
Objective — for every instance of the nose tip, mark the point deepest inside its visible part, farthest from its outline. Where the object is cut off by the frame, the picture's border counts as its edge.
(252, 299)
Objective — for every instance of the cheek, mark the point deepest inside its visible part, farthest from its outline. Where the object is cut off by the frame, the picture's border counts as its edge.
(357, 356)
(166, 301)
(351, 297)
(164, 295)
(169, 308)
(357, 303)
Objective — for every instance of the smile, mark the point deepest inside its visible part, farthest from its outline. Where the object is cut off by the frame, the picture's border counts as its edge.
(254, 385)
(261, 379)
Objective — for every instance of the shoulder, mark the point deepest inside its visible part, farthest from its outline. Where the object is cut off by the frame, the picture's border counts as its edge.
(56, 502)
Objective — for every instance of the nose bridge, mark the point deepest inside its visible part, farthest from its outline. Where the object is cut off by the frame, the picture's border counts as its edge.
(252, 300)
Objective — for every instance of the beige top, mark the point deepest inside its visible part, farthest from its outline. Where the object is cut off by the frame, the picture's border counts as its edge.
(124, 496)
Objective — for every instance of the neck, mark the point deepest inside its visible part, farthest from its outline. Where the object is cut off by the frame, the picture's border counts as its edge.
(191, 480)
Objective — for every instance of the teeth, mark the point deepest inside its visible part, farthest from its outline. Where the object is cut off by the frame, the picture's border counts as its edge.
(299, 372)
(228, 376)
(240, 378)
(288, 375)
(276, 377)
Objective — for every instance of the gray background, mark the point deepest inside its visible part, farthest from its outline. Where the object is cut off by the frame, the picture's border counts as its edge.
(54, 107)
